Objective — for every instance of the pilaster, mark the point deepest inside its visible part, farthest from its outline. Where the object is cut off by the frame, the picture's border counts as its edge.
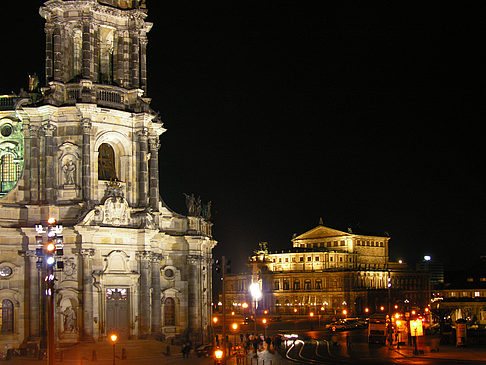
(154, 173)
(87, 257)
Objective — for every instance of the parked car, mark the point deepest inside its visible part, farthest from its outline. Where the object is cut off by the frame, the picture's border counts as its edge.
(205, 350)
(248, 320)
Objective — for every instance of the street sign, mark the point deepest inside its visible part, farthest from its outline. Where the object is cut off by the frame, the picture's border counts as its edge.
(416, 328)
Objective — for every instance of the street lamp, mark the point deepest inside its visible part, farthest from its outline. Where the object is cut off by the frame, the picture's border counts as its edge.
(256, 294)
(49, 255)
(113, 339)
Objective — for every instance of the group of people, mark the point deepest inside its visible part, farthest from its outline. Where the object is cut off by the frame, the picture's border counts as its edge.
(186, 349)
(263, 350)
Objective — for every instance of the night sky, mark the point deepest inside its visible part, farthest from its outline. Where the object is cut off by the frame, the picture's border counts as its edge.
(366, 114)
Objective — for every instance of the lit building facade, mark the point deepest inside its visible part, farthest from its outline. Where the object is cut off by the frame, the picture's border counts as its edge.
(328, 271)
(84, 149)
(463, 294)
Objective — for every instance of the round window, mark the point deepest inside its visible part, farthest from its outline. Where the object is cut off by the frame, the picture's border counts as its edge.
(5, 271)
(169, 273)
(6, 130)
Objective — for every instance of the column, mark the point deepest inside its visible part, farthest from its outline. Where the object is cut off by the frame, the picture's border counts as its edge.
(143, 64)
(144, 314)
(87, 55)
(34, 295)
(27, 162)
(194, 298)
(49, 53)
(156, 304)
(134, 61)
(154, 173)
(87, 310)
(34, 163)
(86, 170)
(143, 168)
(57, 59)
(49, 130)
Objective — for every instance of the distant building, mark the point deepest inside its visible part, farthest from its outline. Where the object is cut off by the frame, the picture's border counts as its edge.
(328, 270)
(434, 268)
(463, 294)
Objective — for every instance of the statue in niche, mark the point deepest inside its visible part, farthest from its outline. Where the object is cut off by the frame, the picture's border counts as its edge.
(69, 320)
(69, 170)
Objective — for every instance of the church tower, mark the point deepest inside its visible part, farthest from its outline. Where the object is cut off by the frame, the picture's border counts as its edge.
(83, 148)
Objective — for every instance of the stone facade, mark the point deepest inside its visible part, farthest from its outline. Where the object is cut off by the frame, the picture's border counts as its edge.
(90, 159)
(328, 271)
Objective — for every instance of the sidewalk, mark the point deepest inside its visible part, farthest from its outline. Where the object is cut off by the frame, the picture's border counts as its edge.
(449, 352)
(136, 352)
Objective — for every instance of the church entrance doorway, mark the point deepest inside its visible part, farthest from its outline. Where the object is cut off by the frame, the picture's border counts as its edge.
(117, 312)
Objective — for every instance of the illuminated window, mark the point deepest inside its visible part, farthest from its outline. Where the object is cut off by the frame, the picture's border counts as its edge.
(341, 243)
(318, 284)
(286, 285)
(296, 285)
(276, 285)
(6, 316)
(286, 259)
(477, 294)
(169, 312)
(307, 285)
(106, 162)
(8, 168)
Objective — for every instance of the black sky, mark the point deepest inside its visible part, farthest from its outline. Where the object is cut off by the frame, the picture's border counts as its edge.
(280, 112)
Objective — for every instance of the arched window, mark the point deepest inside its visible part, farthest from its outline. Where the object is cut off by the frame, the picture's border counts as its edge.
(6, 316)
(106, 163)
(8, 168)
(169, 312)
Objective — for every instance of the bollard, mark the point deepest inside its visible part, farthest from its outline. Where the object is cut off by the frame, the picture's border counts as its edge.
(93, 355)
(124, 354)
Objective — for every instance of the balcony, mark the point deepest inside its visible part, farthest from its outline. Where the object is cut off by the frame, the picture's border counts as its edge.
(102, 95)
(7, 102)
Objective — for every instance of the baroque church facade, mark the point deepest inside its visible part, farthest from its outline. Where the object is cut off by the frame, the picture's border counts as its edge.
(84, 149)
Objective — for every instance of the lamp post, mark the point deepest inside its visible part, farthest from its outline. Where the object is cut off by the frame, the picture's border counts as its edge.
(46, 253)
(256, 294)
(113, 339)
